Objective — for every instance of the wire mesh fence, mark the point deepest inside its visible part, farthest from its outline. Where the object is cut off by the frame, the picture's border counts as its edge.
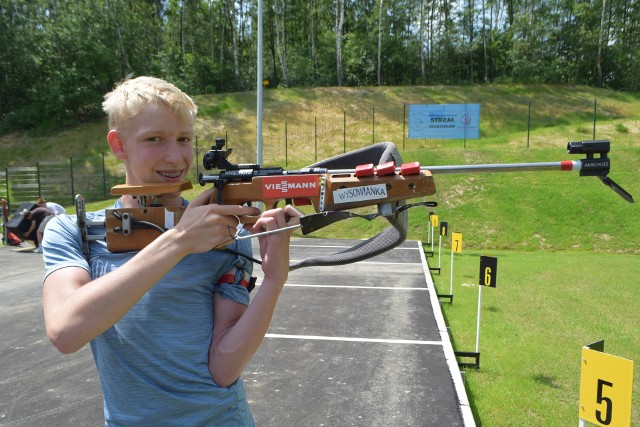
(58, 181)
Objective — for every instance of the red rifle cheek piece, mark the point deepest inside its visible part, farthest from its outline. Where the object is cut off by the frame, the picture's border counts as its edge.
(412, 168)
(386, 169)
(365, 170)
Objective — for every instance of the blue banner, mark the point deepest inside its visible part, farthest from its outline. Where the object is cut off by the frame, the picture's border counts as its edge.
(444, 121)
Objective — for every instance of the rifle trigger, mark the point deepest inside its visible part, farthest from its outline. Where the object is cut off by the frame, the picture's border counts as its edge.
(239, 227)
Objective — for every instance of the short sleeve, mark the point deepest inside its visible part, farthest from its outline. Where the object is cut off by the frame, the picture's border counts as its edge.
(236, 285)
(62, 245)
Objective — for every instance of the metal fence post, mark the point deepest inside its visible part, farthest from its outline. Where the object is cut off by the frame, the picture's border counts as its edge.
(404, 121)
(104, 179)
(197, 162)
(529, 124)
(38, 179)
(595, 106)
(373, 126)
(344, 131)
(72, 183)
(6, 182)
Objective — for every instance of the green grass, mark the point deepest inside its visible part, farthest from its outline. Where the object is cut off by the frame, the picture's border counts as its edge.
(545, 308)
(568, 247)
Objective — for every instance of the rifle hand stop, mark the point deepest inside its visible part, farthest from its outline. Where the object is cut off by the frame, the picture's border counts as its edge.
(597, 166)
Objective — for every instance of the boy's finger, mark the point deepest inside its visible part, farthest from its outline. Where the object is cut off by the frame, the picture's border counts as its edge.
(205, 197)
(234, 210)
(293, 214)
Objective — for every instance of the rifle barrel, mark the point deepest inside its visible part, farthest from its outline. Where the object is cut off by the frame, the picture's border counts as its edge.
(565, 165)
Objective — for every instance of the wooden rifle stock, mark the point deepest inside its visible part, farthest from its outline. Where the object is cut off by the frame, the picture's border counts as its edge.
(328, 191)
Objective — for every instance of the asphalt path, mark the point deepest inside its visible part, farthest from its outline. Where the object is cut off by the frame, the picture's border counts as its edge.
(362, 344)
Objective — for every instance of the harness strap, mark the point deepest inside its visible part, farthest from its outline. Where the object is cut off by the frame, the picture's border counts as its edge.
(247, 281)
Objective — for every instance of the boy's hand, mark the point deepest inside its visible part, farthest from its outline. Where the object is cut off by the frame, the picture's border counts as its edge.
(205, 226)
(274, 248)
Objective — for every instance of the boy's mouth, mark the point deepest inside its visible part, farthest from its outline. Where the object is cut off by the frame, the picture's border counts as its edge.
(170, 174)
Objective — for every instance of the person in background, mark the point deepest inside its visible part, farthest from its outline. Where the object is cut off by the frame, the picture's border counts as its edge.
(170, 326)
(32, 221)
(53, 207)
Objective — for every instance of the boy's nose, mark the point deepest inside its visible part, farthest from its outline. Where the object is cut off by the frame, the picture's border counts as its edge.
(173, 153)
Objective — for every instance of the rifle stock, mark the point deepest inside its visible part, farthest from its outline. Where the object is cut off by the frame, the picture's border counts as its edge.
(329, 191)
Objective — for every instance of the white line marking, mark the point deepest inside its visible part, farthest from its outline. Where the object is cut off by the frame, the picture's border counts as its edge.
(389, 288)
(292, 245)
(386, 288)
(449, 354)
(372, 262)
(348, 339)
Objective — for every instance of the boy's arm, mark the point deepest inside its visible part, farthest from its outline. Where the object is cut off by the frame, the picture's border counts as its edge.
(238, 330)
(77, 309)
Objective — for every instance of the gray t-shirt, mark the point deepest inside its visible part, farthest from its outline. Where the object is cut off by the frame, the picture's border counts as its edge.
(153, 363)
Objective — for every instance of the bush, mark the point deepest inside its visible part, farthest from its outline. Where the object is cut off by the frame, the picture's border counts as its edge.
(620, 128)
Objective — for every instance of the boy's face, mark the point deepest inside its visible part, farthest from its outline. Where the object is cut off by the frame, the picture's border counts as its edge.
(156, 146)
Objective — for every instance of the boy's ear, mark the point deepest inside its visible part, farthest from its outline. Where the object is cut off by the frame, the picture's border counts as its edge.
(116, 144)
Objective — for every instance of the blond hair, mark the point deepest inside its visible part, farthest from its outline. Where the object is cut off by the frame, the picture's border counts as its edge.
(131, 96)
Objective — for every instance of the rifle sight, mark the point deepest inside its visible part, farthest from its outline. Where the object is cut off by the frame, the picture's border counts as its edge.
(217, 158)
(589, 148)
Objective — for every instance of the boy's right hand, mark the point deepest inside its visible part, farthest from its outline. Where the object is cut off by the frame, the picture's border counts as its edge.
(205, 226)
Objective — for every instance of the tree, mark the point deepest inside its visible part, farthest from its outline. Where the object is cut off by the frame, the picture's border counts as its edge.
(379, 42)
(339, 24)
(280, 15)
(599, 77)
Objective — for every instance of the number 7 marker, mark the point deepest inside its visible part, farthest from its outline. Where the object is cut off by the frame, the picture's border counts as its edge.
(456, 246)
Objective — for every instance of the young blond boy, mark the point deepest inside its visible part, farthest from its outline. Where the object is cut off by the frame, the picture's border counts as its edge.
(170, 326)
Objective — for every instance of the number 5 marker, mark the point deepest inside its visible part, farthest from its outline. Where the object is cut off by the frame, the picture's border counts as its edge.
(605, 389)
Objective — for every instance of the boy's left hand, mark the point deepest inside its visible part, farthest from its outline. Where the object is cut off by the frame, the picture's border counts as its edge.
(274, 248)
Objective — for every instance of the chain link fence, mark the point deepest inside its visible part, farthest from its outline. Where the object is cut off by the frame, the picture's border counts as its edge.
(58, 181)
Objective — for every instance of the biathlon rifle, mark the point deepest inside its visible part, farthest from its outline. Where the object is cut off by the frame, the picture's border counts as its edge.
(333, 191)
(333, 187)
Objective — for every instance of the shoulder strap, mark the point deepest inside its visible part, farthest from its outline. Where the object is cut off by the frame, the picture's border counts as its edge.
(385, 240)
